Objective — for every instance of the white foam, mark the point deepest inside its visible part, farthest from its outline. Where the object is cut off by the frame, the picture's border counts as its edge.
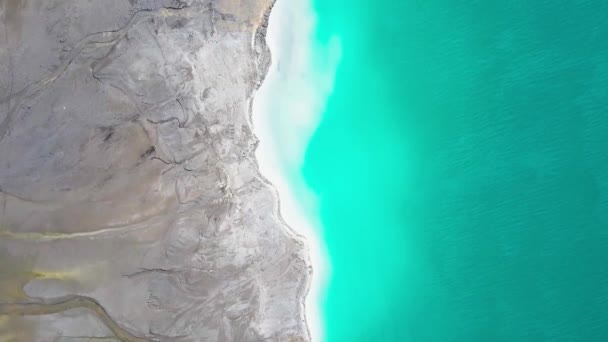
(286, 112)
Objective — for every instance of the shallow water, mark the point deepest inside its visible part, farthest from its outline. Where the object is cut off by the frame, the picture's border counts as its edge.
(461, 171)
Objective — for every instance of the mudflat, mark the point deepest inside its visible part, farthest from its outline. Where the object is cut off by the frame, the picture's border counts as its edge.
(131, 205)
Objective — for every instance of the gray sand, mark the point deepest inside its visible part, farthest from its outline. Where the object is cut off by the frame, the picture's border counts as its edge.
(131, 206)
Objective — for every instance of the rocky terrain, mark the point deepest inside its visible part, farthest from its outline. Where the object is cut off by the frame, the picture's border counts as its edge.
(131, 206)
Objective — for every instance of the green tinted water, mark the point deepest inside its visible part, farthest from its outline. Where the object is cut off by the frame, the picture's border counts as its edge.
(462, 171)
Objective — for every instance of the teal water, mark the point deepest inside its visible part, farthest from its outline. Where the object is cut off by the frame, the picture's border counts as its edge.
(461, 168)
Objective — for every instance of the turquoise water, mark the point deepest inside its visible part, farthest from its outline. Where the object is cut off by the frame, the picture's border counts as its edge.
(461, 168)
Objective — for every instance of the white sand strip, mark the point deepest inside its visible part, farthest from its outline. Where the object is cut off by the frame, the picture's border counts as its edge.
(286, 112)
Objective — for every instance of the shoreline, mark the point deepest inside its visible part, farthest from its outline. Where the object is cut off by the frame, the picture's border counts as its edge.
(272, 169)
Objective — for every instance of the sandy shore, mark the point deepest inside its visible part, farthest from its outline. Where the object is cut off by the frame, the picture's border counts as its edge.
(137, 195)
(286, 112)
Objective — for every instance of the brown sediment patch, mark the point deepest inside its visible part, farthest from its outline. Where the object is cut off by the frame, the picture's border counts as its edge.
(15, 329)
(15, 273)
(13, 16)
(66, 303)
(250, 12)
